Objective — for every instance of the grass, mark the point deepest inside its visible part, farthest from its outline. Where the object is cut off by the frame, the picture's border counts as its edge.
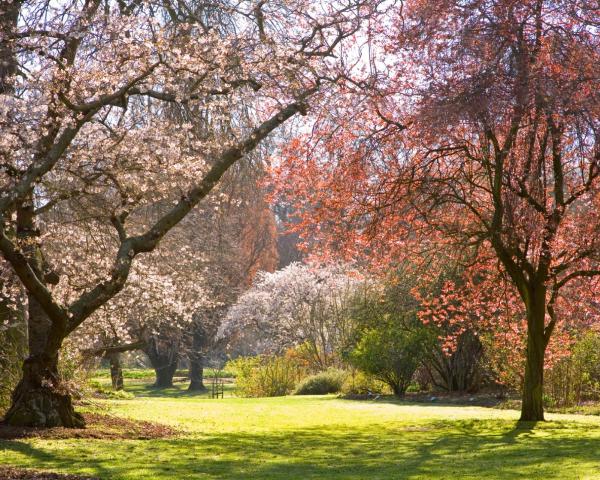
(148, 374)
(139, 383)
(323, 437)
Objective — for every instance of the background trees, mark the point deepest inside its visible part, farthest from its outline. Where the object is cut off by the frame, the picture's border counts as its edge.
(298, 305)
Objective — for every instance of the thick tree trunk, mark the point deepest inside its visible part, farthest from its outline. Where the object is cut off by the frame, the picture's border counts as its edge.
(164, 356)
(532, 408)
(196, 358)
(39, 400)
(9, 14)
(116, 372)
(164, 374)
(197, 375)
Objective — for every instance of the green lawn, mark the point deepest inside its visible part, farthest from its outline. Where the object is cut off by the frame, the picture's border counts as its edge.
(142, 387)
(324, 438)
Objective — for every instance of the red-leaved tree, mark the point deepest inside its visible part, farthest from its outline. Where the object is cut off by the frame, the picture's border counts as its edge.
(482, 137)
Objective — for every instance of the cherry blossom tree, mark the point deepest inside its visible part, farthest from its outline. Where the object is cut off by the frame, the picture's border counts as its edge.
(84, 87)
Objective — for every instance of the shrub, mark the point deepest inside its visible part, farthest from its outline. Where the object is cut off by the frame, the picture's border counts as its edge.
(360, 383)
(390, 354)
(576, 378)
(265, 375)
(73, 371)
(12, 352)
(329, 381)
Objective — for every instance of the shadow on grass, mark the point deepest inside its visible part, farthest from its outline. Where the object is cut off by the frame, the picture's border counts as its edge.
(178, 390)
(438, 402)
(460, 449)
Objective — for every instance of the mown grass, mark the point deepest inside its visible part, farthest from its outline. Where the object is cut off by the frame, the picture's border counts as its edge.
(323, 437)
(145, 373)
(142, 386)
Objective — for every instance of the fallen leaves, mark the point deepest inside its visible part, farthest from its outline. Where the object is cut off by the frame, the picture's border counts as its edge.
(99, 426)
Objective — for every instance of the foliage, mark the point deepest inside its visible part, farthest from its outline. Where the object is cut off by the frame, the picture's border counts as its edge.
(481, 139)
(360, 383)
(265, 375)
(389, 354)
(11, 357)
(118, 119)
(300, 305)
(328, 381)
(74, 370)
(576, 378)
(13, 335)
(390, 341)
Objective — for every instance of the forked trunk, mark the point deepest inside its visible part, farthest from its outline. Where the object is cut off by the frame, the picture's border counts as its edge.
(164, 356)
(39, 399)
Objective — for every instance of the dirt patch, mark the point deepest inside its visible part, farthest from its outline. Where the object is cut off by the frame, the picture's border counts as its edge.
(10, 473)
(99, 426)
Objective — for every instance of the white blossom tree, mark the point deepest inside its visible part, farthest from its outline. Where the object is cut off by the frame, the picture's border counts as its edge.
(84, 90)
(297, 305)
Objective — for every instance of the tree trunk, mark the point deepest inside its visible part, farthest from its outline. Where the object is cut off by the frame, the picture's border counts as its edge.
(39, 400)
(9, 14)
(164, 374)
(164, 356)
(197, 375)
(399, 390)
(532, 408)
(116, 372)
(196, 358)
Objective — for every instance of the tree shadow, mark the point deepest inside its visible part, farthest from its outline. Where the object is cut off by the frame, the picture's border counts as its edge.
(178, 390)
(458, 449)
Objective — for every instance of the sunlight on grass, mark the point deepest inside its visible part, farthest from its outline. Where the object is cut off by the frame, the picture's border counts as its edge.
(325, 437)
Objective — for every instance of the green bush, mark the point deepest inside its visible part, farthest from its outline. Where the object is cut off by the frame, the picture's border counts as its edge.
(360, 383)
(575, 379)
(12, 353)
(329, 381)
(390, 354)
(265, 375)
(389, 341)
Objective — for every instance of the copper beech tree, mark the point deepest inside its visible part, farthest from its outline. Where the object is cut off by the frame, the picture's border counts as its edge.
(481, 139)
(84, 87)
